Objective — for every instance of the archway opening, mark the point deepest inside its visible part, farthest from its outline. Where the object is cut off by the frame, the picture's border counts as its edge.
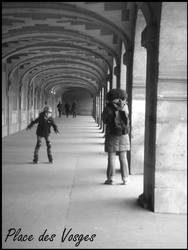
(138, 100)
(82, 98)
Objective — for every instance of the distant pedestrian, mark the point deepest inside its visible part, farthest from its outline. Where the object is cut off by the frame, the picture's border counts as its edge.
(73, 109)
(67, 109)
(45, 121)
(115, 116)
(59, 107)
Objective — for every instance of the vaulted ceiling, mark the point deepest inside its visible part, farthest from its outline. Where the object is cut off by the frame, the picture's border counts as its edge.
(64, 45)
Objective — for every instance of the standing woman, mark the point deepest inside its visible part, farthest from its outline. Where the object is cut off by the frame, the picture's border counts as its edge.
(115, 116)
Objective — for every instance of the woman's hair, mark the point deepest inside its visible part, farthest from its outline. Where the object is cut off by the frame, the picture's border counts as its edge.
(116, 94)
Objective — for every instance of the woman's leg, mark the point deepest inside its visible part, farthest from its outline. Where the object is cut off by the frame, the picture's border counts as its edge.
(110, 173)
(123, 165)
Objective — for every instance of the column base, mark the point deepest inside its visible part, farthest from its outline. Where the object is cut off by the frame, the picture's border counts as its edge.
(145, 203)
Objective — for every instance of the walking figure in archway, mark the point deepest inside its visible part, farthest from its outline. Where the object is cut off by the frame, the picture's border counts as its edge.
(115, 116)
(67, 109)
(73, 109)
(59, 107)
(45, 121)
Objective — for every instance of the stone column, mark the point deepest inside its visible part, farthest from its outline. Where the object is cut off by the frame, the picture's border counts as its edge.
(20, 109)
(100, 108)
(109, 79)
(33, 101)
(114, 74)
(123, 70)
(4, 101)
(103, 105)
(9, 106)
(28, 102)
(97, 109)
(9, 112)
(54, 104)
(16, 113)
(13, 101)
(94, 108)
(103, 93)
(19, 100)
(117, 74)
(149, 41)
(171, 133)
(128, 61)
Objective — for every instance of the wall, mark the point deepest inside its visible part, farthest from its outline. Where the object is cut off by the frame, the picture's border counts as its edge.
(171, 139)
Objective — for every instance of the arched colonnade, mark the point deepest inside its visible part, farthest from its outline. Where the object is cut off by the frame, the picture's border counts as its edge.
(152, 69)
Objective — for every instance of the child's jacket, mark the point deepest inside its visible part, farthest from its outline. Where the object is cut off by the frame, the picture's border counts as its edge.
(44, 125)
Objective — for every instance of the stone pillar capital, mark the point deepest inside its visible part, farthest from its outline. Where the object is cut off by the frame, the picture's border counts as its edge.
(149, 35)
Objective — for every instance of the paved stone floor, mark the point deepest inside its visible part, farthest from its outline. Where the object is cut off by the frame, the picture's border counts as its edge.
(68, 200)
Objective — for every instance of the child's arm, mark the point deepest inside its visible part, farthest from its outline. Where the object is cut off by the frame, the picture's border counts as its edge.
(54, 126)
(32, 123)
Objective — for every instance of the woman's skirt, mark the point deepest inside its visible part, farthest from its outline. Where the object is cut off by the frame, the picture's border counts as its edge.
(115, 143)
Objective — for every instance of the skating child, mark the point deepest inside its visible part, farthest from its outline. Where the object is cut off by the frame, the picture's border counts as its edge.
(45, 121)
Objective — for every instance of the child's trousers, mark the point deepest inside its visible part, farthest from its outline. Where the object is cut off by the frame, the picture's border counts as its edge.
(123, 165)
(38, 145)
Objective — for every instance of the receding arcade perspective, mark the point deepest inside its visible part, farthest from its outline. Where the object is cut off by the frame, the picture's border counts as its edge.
(63, 58)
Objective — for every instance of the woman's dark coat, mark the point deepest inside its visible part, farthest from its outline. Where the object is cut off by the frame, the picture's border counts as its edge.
(112, 128)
